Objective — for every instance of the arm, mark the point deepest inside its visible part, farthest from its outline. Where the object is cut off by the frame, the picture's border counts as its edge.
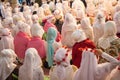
(109, 58)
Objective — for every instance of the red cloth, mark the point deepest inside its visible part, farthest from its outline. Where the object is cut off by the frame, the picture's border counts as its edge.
(48, 25)
(118, 35)
(39, 45)
(78, 49)
(20, 44)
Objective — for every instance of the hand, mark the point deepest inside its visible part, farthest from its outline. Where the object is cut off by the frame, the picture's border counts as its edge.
(98, 52)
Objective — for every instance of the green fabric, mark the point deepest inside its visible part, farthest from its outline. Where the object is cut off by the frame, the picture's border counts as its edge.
(51, 36)
(14, 76)
(46, 78)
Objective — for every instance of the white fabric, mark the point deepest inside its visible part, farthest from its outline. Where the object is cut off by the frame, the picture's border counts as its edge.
(62, 71)
(23, 27)
(78, 4)
(98, 26)
(40, 13)
(37, 30)
(7, 57)
(35, 18)
(6, 41)
(68, 27)
(78, 36)
(116, 18)
(115, 74)
(109, 35)
(90, 70)
(90, 10)
(86, 27)
(31, 68)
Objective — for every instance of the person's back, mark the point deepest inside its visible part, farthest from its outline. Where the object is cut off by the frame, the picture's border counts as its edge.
(31, 68)
(91, 70)
(21, 40)
(6, 41)
(62, 70)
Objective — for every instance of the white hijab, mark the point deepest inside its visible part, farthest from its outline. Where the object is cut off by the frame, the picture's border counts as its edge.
(109, 35)
(86, 27)
(7, 57)
(6, 41)
(31, 68)
(98, 26)
(62, 71)
(88, 67)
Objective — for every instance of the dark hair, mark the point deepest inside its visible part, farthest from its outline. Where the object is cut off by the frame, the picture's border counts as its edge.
(32, 3)
(34, 12)
(2, 0)
(23, 3)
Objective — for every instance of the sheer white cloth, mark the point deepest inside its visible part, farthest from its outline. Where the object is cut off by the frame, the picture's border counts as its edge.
(31, 68)
(68, 27)
(108, 36)
(86, 27)
(98, 26)
(6, 41)
(91, 70)
(116, 18)
(7, 57)
(62, 71)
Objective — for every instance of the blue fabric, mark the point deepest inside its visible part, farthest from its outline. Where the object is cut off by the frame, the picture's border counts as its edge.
(20, 1)
(51, 36)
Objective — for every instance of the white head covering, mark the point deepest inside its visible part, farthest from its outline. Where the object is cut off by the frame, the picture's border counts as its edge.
(35, 19)
(8, 22)
(117, 8)
(23, 27)
(69, 21)
(87, 68)
(6, 32)
(90, 10)
(37, 30)
(7, 57)
(46, 9)
(29, 20)
(116, 18)
(98, 26)
(6, 41)
(78, 36)
(31, 68)
(109, 35)
(86, 26)
(40, 13)
(63, 70)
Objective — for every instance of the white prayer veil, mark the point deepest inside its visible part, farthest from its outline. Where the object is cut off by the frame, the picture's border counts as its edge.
(23, 27)
(78, 36)
(117, 8)
(6, 41)
(8, 22)
(69, 23)
(86, 27)
(63, 70)
(109, 35)
(40, 13)
(37, 30)
(87, 68)
(32, 62)
(98, 26)
(68, 27)
(35, 18)
(116, 18)
(7, 59)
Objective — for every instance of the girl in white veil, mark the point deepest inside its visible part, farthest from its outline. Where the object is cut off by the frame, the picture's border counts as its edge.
(31, 68)
(63, 70)
(7, 65)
